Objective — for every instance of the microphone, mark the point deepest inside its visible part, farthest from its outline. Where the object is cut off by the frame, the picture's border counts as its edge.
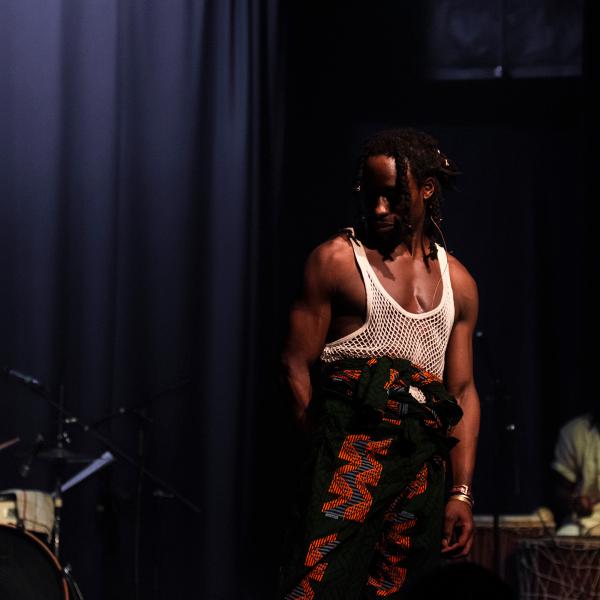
(37, 446)
(29, 380)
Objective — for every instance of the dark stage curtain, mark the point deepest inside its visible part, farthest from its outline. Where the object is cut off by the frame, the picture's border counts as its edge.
(140, 146)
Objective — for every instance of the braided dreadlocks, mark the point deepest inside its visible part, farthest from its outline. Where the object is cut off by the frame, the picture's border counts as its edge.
(419, 152)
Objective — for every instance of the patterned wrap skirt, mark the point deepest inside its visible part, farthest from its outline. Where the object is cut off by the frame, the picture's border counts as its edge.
(369, 512)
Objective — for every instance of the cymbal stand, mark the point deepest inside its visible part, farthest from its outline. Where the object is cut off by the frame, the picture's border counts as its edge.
(57, 494)
(57, 498)
(61, 438)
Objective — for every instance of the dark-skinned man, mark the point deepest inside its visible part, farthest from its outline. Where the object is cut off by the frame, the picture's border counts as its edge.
(390, 317)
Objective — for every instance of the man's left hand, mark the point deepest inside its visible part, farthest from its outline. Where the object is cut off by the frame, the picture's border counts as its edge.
(458, 529)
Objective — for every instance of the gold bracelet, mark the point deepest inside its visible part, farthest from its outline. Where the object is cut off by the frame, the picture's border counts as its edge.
(461, 489)
(463, 498)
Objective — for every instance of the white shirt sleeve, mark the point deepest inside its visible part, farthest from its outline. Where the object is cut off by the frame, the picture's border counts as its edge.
(566, 456)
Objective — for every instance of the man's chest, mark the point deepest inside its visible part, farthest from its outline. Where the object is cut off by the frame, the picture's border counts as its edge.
(417, 288)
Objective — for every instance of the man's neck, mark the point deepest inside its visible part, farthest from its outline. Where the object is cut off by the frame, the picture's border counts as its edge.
(416, 245)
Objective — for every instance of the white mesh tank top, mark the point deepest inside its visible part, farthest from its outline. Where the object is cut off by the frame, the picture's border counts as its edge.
(389, 330)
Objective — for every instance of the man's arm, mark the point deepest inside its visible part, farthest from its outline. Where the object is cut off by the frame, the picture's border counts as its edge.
(309, 322)
(458, 528)
(564, 500)
(566, 472)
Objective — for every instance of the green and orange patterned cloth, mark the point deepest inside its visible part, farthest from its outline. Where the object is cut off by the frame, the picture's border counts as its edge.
(370, 509)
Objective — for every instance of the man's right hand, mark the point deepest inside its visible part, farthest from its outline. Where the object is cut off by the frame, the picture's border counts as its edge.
(583, 505)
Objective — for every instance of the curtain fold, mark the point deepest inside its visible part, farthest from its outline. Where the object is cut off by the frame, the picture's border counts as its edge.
(139, 145)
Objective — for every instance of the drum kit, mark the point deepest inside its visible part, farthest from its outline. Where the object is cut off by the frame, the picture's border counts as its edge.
(30, 567)
(30, 520)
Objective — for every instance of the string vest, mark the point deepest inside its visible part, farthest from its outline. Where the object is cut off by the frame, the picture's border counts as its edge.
(390, 330)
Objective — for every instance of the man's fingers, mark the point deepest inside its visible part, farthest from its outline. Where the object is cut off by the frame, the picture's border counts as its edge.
(447, 534)
(451, 550)
(460, 551)
(468, 546)
(463, 544)
(466, 532)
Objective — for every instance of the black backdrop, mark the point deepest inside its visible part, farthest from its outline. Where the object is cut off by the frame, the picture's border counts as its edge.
(165, 168)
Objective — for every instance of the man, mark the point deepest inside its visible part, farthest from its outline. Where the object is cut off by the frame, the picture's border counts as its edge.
(391, 317)
(576, 475)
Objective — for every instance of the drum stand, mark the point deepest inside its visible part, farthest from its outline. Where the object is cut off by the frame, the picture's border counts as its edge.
(76, 592)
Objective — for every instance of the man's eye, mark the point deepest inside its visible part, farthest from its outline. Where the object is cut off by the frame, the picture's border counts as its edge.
(389, 194)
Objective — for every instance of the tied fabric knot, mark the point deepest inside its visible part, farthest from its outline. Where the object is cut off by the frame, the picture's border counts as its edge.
(371, 383)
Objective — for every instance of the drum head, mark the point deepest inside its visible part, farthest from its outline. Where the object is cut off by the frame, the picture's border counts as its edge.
(34, 508)
(28, 570)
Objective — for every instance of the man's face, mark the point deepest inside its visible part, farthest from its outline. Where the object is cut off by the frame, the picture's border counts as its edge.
(382, 197)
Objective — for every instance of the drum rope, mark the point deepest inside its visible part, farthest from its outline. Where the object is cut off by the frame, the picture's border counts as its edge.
(560, 570)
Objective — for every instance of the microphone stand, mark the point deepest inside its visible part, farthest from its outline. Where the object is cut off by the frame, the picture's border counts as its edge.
(504, 429)
(139, 412)
(25, 467)
(139, 409)
(142, 419)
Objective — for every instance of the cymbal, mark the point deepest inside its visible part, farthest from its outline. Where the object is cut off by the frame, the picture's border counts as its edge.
(64, 454)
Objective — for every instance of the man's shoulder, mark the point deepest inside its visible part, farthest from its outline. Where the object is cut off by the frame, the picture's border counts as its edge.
(464, 286)
(329, 264)
(332, 253)
(579, 426)
(458, 271)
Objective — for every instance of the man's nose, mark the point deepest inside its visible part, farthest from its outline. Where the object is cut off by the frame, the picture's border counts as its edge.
(382, 206)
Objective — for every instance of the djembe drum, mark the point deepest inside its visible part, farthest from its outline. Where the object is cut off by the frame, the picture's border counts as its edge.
(513, 528)
(559, 568)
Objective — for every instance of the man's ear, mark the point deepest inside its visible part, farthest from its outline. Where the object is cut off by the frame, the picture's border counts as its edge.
(428, 188)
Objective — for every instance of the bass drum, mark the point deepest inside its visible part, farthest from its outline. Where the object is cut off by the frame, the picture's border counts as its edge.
(28, 570)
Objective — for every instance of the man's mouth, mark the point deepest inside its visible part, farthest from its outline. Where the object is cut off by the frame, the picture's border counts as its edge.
(383, 225)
